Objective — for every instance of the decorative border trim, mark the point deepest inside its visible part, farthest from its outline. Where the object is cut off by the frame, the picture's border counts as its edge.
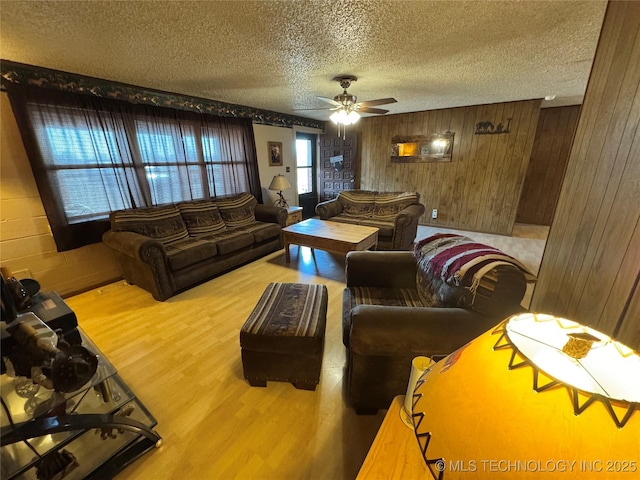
(23, 74)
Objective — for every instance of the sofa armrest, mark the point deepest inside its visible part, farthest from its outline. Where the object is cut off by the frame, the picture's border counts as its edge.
(406, 226)
(133, 244)
(410, 214)
(381, 330)
(143, 261)
(271, 214)
(380, 269)
(328, 209)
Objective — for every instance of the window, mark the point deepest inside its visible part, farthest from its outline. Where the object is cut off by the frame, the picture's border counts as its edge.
(91, 171)
(304, 166)
(79, 161)
(94, 156)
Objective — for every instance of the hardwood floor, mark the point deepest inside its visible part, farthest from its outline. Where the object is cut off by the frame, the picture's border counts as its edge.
(182, 359)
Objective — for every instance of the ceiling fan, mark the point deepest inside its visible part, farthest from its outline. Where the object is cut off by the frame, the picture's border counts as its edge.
(347, 109)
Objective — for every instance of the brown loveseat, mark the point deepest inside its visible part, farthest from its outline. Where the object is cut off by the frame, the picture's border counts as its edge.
(397, 306)
(395, 214)
(167, 249)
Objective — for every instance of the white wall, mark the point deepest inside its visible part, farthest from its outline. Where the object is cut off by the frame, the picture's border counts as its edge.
(263, 135)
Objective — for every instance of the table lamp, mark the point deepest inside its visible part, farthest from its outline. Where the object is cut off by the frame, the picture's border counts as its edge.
(280, 183)
(536, 397)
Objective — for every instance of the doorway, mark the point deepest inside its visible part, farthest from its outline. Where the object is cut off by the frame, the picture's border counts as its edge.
(306, 159)
(337, 162)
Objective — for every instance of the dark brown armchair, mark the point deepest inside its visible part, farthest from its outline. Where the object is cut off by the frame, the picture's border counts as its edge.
(387, 319)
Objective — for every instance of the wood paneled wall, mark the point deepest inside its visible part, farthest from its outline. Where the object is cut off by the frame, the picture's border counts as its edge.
(480, 188)
(547, 165)
(591, 264)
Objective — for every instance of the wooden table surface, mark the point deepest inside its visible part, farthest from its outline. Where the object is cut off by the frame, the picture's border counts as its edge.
(330, 236)
(395, 453)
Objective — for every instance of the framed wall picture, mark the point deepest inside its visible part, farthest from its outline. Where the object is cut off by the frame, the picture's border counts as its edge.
(437, 147)
(275, 154)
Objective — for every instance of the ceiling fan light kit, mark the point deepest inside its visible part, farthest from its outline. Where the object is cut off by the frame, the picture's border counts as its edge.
(344, 117)
(347, 109)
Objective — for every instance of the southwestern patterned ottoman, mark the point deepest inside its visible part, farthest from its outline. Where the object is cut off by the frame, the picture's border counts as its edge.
(283, 338)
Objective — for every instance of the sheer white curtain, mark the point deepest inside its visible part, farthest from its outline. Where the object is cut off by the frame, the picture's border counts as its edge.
(91, 156)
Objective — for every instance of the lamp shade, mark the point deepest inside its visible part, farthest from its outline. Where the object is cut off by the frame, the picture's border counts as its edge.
(279, 183)
(518, 402)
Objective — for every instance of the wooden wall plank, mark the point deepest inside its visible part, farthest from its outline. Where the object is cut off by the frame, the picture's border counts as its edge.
(518, 168)
(592, 259)
(549, 157)
(479, 189)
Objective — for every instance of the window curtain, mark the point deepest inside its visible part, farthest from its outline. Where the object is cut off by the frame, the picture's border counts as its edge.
(91, 156)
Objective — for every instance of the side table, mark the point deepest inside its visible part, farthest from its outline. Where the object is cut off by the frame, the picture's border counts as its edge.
(294, 215)
(92, 433)
(395, 452)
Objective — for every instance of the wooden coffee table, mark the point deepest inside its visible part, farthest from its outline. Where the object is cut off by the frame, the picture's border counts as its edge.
(330, 236)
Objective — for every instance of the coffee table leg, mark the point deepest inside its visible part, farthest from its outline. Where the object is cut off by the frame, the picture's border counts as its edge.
(286, 252)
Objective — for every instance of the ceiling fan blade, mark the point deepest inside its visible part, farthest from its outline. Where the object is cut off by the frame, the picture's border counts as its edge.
(372, 110)
(301, 109)
(329, 100)
(379, 101)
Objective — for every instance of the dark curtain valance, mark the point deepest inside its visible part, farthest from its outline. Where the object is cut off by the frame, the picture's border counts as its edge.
(31, 75)
(91, 156)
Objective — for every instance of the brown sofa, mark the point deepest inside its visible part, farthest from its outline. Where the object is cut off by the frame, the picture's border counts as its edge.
(395, 214)
(395, 308)
(170, 248)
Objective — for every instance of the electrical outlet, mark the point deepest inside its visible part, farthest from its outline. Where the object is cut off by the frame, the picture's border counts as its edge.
(434, 213)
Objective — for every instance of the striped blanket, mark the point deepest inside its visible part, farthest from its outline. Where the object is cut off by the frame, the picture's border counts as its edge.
(460, 261)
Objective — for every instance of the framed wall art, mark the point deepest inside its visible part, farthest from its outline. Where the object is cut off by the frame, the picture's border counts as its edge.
(275, 154)
(422, 148)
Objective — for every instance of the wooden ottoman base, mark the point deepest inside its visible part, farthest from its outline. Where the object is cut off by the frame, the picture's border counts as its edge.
(283, 338)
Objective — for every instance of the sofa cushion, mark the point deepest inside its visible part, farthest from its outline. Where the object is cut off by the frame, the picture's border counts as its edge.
(162, 223)
(201, 217)
(237, 210)
(261, 231)
(395, 297)
(359, 204)
(188, 251)
(388, 204)
(230, 240)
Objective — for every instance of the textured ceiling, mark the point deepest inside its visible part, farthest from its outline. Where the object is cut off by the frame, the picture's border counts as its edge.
(278, 55)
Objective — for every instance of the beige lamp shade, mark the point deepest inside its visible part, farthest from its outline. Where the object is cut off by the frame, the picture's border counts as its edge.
(489, 411)
(280, 183)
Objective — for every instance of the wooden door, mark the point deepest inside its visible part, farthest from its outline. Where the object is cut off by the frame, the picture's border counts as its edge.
(306, 167)
(337, 164)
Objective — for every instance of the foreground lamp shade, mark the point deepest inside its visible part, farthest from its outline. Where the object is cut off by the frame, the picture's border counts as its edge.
(537, 397)
(280, 183)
